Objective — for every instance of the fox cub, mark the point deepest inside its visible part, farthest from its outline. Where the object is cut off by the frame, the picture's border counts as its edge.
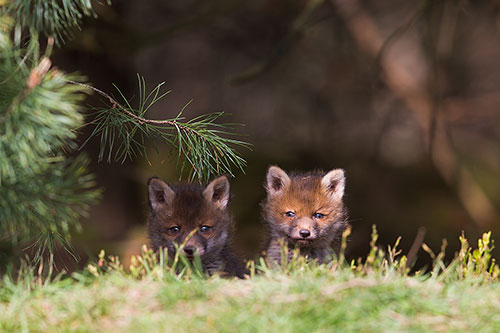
(176, 211)
(305, 210)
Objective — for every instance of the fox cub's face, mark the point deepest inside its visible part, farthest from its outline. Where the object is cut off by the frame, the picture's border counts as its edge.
(306, 209)
(178, 211)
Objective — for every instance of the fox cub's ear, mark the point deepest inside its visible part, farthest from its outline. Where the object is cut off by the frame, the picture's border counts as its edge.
(276, 180)
(217, 192)
(334, 183)
(159, 193)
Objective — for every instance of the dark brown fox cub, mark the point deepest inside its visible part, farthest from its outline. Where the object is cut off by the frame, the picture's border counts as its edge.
(305, 211)
(176, 211)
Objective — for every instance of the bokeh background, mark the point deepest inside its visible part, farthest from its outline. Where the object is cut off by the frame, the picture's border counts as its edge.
(404, 95)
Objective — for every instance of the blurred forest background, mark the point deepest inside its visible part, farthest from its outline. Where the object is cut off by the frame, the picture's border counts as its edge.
(404, 95)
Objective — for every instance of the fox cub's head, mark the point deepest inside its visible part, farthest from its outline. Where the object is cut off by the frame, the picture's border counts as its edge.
(178, 211)
(304, 209)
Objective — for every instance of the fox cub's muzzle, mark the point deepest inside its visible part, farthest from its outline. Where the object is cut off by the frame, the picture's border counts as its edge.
(305, 229)
(193, 247)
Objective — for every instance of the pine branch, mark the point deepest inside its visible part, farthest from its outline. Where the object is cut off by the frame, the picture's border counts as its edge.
(119, 107)
(52, 17)
(42, 191)
(298, 26)
(51, 201)
(201, 142)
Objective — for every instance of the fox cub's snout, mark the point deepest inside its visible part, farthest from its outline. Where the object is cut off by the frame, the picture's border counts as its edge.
(306, 211)
(197, 212)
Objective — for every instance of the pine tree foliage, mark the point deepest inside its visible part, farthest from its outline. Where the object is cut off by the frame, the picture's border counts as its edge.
(205, 147)
(42, 191)
(51, 17)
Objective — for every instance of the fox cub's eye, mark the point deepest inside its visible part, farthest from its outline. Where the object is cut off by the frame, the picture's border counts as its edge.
(205, 228)
(175, 229)
(290, 214)
(318, 215)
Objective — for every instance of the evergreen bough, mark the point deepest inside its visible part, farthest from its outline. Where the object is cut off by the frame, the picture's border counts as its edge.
(43, 190)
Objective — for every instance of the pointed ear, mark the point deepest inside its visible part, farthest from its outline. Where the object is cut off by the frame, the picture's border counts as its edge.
(276, 180)
(159, 193)
(334, 183)
(217, 192)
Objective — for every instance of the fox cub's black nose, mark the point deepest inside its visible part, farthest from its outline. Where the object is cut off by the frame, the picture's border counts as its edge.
(190, 250)
(304, 233)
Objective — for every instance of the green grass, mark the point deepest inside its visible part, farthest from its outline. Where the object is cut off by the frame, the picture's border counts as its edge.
(377, 294)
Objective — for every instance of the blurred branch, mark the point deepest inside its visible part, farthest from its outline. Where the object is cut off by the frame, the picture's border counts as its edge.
(117, 33)
(405, 86)
(210, 11)
(298, 26)
(403, 28)
(415, 246)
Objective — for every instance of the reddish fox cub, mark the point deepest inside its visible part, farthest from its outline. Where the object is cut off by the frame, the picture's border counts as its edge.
(305, 211)
(176, 211)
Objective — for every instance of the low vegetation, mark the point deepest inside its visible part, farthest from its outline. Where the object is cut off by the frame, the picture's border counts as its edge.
(154, 295)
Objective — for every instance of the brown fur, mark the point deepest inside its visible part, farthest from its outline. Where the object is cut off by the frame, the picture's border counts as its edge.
(191, 207)
(305, 195)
